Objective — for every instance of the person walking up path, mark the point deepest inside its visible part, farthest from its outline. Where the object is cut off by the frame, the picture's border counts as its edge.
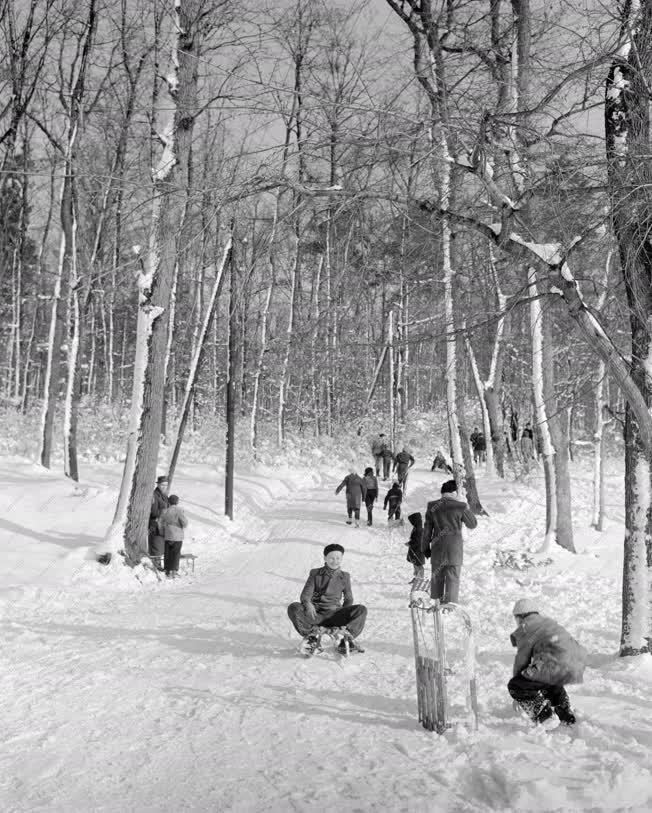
(371, 496)
(356, 491)
(443, 542)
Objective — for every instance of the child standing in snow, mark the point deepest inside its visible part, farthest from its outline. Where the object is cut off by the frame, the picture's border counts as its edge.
(547, 659)
(371, 496)
(172, 522)
(356, 491)
(415, 554)
(327, 601)
(393, 499)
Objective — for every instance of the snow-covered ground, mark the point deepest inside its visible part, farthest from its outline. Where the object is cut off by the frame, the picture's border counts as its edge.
(123, 693)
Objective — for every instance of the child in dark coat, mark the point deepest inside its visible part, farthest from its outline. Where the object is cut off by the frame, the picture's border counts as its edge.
(372, 493)
(415, 554)
(393, 499)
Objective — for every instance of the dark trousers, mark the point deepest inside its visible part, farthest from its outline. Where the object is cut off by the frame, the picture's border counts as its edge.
(155, 546)
(445, 583)
(533, 694)
(387, 464)
(351, 511)
(352, 617)
(378, 459)
(171, 556)
(394, 511)
(369, 503)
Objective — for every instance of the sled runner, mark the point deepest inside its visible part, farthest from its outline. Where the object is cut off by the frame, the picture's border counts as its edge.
(338, 635)
(444, 654)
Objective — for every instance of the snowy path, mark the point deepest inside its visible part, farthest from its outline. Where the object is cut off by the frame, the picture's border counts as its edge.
(190, 695)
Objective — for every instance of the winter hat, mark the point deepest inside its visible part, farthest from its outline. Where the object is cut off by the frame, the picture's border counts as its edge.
(416, 519)
(449, 487)
(162, 479)
(173, 499)
(368, 470)
(524, 606)
(333, 547)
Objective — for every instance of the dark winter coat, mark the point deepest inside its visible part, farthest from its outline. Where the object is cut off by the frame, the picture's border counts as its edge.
(325, 588)
(547, 652)
(171, 523)
(415, 555)
(159, 504)
(356, 490)
(442, 533)
(394, 497)
(371, 484)
(377, 446)
(478, 442)
(440, 463)
(403, 461)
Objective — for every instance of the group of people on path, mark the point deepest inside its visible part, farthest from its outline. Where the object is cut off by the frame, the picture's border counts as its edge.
(547, 656)
(167, 522)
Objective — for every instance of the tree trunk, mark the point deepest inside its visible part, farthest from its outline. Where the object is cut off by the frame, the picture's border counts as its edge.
(198, 355)
(155, 283)
(558, 426)
(230, 394)
(536, 329)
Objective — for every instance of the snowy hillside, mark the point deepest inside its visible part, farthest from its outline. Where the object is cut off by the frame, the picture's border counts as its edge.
(123, 693)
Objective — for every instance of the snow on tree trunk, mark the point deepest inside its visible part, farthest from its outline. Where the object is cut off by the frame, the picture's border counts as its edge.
(390, 380)
(73, 386)
(627, 137)
(536, 330)
(130, 523)
(255, 396)
(289, 336)
(597, 520)
(558, 427)
(66, 250)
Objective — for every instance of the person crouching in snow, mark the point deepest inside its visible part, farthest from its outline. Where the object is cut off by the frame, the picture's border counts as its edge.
(371, 496)
(415, 554)
(393, 499)
(356, 491)
(547, 659)
(172, 522)
(321, 604)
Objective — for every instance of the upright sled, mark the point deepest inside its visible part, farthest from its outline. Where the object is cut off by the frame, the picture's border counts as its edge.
(445, 661)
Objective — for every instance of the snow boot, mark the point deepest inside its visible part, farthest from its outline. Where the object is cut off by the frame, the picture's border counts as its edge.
(349, 521)
(310, 645)
(539, 709)
(348, 646)
(563, 710)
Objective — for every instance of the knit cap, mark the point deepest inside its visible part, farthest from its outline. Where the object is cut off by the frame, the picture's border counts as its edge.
(524, 606)
(330, 548)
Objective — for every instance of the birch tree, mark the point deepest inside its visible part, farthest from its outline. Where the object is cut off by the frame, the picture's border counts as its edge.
(154, 287)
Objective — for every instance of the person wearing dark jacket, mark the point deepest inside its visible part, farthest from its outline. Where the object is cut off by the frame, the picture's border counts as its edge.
(415, 554)
(155, 540)
(440, 464)
(402, 462)
(442, 541)
(393, 499)
(356, 491)
(327, 601)
(547, 659)
(388, 460)
(377, 448)
(371, 496)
